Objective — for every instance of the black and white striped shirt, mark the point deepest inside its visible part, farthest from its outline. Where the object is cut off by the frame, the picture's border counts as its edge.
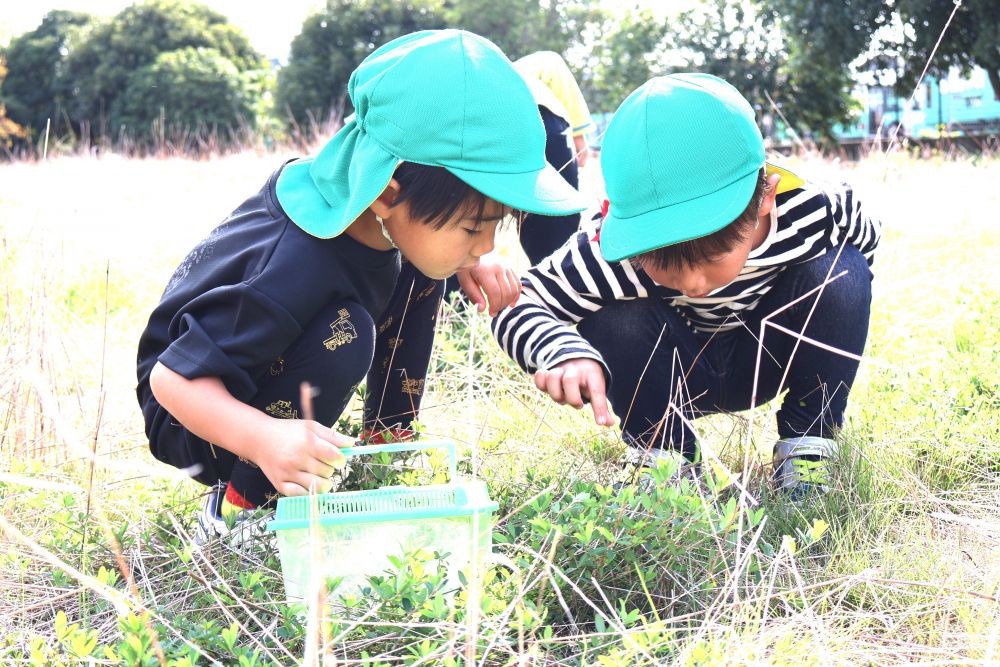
(576, 281)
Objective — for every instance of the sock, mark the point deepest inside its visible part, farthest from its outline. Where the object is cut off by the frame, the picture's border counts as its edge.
(397, 433)
(234, 502)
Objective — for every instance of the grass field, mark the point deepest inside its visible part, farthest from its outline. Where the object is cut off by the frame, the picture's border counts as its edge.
(899, 565)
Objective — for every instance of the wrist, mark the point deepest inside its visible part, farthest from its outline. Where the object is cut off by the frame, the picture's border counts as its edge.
(246, 432)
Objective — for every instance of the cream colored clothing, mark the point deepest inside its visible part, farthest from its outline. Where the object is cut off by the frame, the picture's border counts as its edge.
(554, 88)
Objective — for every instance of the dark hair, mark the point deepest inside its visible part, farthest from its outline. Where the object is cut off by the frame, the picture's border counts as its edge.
(435, 195)
(706, 248)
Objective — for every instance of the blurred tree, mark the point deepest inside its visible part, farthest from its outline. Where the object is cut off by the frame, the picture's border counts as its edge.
(971, 40)
(828, 42)
(628, 50)
(520, 27)
(312, 88)
(35, 90)
(821, 41)
(733, 40)
(190, 90)
(101, 68)
(9, 130)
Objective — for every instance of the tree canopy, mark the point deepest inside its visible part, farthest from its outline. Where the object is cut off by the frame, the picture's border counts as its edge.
(9, 130)
(157, 68)
(972, 39)
(334, 41)
(828, 43)
(630, 53)
(116, 69)
(733, 41)
(36, 88)
(186, 90)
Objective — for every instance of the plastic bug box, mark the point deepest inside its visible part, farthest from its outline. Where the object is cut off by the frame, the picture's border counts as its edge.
(352, 534)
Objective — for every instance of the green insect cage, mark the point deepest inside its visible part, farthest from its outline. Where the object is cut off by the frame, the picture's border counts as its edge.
(350, 536)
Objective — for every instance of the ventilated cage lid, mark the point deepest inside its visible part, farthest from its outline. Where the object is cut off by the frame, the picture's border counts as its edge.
(393, 503)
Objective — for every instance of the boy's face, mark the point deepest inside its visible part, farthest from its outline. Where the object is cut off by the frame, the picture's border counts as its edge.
(697, 281)
(439, 253)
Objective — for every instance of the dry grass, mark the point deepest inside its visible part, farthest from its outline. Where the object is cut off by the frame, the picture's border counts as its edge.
(909, 572)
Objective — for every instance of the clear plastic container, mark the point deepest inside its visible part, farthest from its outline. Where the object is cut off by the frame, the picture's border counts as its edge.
(352, 534)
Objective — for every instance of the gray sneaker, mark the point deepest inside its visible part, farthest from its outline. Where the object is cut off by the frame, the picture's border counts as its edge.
(211, 526)
(801, 465)
(248, 525)
(640, 462)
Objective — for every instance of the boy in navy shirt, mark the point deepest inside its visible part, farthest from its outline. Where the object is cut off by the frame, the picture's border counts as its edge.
(303, 282)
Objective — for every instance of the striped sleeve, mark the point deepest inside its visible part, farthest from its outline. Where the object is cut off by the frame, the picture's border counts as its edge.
(538, 331)
(852, 223)
(813, 220)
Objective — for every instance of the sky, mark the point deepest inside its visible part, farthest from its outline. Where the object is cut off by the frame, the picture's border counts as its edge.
(269, 28)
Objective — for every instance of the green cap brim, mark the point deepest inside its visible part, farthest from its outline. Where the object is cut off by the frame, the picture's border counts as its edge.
(544, 192)
(353, 185)
(622, 238)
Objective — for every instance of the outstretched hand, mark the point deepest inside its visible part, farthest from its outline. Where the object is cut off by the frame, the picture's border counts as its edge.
(576, 382)
(491, 285)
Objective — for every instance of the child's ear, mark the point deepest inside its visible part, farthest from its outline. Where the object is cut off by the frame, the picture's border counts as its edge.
(767, 203)
(382, 206)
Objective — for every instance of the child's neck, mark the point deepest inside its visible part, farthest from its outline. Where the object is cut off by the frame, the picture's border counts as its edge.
(366, 231)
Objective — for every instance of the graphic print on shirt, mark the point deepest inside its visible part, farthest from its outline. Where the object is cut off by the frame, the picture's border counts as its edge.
(342, 331)
(203, 251)
(282, 410)
(413, 386)
(426, 292)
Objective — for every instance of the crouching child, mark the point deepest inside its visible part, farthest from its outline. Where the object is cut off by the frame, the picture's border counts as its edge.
(716, 281)
(333, 271)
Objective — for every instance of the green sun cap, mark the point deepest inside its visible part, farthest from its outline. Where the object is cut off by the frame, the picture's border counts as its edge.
(445, 98)
(680, 160)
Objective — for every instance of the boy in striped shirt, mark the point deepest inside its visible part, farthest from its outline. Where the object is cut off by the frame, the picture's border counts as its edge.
(716, 281)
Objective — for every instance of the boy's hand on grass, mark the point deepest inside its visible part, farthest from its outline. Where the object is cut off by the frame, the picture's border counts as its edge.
(490, 285)
(576, 382)
(299, 456)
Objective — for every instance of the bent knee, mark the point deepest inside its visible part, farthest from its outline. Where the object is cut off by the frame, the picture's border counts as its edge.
(843, 276)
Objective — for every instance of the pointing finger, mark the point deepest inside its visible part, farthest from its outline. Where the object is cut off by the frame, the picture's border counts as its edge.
(599, 404)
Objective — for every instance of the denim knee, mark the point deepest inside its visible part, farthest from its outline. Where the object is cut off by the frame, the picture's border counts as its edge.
(818, 380)
(624, 326)
(640, 342)
(850, 280)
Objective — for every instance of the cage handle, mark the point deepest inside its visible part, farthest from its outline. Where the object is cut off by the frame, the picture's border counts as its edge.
(413, 446)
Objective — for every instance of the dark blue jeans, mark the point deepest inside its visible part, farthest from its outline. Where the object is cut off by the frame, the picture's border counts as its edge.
(703, 374)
